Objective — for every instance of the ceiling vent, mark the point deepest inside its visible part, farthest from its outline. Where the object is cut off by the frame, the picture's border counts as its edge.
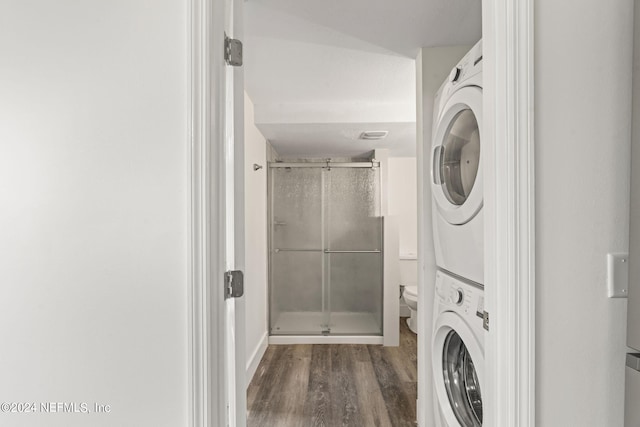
(374, 134)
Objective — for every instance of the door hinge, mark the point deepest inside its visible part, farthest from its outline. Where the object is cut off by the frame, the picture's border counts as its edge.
(233, 284)
(232, 51)
(485, 320)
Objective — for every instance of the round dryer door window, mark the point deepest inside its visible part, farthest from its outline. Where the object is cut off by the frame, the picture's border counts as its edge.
(461, 381)
(456, 163)
(460, 159)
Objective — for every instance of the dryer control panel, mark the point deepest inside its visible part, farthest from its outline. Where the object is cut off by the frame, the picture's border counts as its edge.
(469, 66)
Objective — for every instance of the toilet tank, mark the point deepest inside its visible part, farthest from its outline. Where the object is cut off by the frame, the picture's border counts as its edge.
(408, 277)
(408, 269)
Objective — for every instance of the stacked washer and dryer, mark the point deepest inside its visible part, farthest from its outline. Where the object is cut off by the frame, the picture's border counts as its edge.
(458, 229)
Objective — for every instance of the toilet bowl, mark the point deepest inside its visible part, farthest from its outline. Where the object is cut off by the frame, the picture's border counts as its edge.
(410, 296)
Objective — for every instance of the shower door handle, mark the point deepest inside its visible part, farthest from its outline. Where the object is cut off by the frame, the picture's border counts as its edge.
(327, 251)
(296, 250)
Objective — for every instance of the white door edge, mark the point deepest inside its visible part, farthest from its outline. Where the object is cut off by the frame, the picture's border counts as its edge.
(509, 212)
(208, 392)
(239, 332)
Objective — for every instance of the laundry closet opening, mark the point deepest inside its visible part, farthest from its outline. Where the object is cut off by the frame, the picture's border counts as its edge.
(331, 175)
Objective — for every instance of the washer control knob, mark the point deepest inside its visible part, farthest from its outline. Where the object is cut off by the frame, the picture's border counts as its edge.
(455, 74)
(457, 296)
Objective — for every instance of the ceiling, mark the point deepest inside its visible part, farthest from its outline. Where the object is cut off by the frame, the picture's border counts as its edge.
(321, 72)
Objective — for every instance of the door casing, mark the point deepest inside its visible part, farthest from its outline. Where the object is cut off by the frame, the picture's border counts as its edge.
(216, 218)
(509, 204)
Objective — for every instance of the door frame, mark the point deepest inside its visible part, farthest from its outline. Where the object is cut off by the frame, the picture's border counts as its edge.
(508, 36)
(207, 390)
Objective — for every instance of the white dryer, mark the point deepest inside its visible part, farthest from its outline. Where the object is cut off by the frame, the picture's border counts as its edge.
(458, 352)
(456, 170)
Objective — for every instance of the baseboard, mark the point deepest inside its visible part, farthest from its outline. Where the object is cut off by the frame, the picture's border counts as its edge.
(256, 357)
(325, 339)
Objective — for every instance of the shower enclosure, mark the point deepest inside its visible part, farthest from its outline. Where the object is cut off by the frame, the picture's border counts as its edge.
(326, 258)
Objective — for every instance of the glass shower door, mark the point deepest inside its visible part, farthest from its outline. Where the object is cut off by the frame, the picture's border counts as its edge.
(354, 263)
(297, 303)
(325, 251)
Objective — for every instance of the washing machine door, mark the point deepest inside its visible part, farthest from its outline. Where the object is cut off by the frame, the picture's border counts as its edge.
(458, 371)
(456, 166)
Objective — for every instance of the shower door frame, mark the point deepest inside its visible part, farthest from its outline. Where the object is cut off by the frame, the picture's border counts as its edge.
(312, 338)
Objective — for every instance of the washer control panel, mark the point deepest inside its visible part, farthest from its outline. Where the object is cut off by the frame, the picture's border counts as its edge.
(455, 295)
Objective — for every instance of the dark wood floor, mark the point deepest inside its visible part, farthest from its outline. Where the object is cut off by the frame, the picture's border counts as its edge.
(336, 385)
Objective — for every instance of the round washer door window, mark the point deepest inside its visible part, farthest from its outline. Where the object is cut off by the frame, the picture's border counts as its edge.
(460, 159)
(461, 381)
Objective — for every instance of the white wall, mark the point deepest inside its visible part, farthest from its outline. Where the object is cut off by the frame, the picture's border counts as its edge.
(391, 265)
(402, 196)
(93, 217)
(582, 129)
(403, 204)
(256, 252)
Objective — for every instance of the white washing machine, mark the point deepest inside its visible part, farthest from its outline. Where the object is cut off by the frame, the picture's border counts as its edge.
(456, 170)
(458, 352)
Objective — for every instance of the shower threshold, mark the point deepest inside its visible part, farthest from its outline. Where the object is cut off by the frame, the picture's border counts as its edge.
(307, 328)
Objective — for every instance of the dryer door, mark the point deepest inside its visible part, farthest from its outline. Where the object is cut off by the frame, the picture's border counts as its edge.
(458, 370)
(456, 167)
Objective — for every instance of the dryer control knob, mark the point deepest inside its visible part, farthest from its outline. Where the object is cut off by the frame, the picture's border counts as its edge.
(455, 74)
(457, 296)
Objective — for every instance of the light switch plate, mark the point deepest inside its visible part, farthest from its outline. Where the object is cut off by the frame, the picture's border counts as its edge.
(617, 275)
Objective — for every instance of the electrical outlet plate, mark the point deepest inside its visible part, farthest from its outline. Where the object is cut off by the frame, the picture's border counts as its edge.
(617, 275)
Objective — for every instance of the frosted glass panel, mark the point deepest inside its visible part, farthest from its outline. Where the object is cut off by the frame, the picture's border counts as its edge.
(297, 252)
(354, 209)
(355, 301)
(296, 208)
(353, 235)
(296, 293)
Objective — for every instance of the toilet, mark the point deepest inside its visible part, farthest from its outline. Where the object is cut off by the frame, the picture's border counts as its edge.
(410, 296)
